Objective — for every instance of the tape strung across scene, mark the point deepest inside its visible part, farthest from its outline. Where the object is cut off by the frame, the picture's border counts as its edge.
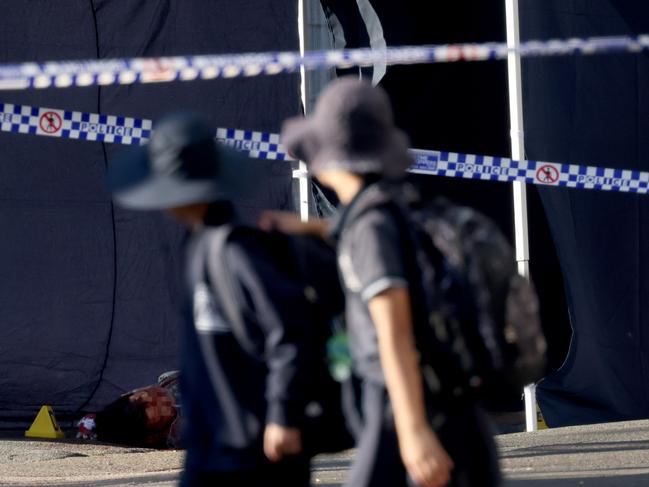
(489, 168)
(64, 74)
(49, 122)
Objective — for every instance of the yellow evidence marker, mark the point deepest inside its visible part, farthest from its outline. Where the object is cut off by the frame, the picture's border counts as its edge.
(45, 425)
(540, 421)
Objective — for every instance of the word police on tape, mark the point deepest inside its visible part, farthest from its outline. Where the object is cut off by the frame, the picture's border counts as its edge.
(50, 122)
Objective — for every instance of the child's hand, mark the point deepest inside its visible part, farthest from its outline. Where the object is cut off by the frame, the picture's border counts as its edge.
(425, 459)
(280, 441)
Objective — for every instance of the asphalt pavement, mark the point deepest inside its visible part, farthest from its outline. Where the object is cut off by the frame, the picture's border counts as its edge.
(610, 455)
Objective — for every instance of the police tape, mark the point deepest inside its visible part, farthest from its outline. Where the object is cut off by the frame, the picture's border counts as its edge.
(489, 168)
(64, 74)
(52, 122)
(49, 122)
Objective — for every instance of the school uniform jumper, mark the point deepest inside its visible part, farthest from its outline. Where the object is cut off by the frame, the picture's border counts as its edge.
(225, 421)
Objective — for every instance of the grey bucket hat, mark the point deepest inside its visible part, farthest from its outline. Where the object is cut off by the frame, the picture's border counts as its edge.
(182, 164)
(352, 128)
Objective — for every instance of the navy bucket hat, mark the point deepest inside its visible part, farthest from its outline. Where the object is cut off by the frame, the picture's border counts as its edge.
(182, 164)
(352, 128)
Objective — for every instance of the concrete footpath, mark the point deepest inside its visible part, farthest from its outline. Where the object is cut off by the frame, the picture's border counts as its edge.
(615, 454)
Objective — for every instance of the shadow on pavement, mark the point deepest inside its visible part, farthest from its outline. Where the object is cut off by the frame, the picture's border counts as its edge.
(581, 448)
(607, 481)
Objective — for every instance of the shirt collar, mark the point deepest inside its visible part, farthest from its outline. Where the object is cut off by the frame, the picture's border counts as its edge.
(370, 195)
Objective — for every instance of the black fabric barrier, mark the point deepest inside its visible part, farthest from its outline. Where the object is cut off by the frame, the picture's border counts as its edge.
(594, 110)
(87, 290)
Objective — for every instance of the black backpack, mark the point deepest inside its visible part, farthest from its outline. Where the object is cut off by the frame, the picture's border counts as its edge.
(477, 303)
(312, 263)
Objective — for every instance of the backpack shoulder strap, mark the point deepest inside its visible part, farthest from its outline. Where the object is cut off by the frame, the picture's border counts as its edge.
(224, 287)
(222, 290)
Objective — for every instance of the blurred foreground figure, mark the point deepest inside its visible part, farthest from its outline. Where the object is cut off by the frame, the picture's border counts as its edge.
(247, 360)
(420, 423)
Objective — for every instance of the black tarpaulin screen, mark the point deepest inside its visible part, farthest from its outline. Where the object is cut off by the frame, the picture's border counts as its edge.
(87, 290)
(595, 110)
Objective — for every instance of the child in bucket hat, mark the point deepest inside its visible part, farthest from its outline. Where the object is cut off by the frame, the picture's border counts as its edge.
(351, 145)
(243, 414)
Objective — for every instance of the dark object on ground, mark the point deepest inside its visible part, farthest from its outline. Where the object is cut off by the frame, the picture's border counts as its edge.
(145, 417)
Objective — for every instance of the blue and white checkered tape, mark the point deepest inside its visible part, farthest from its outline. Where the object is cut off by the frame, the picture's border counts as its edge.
(489, 168)
(94, 72)
(259, 145)
(50, 122)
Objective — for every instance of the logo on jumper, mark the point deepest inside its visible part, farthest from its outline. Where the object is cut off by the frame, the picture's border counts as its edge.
(206, 317)
(547, 174)
(50, 122)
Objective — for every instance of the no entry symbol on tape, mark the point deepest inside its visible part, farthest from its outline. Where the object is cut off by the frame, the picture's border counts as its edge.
(50, 122)
(547, 174)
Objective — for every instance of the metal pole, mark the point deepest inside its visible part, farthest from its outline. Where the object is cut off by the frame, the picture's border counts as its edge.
(519, 189)
(531, 419)
(302, 174)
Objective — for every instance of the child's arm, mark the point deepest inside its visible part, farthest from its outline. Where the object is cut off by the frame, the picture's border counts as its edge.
(424, 457)
(276, 312)
(290, 223)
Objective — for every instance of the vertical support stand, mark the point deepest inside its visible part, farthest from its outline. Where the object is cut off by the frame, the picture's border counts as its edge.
(302, 174)
(519, 189)
(531, 422)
